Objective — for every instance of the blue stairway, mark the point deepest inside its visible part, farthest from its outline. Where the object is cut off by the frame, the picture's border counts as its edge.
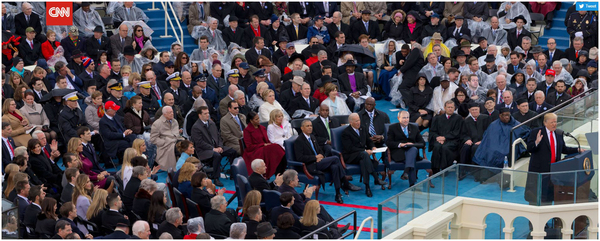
(157, 23)
(558, 30)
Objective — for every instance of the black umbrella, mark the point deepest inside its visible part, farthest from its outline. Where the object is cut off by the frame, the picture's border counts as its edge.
(356, 49)
(56, 92)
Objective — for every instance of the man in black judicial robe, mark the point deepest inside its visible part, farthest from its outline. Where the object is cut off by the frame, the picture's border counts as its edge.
(525, 114)
(475, 126)
(445, 137)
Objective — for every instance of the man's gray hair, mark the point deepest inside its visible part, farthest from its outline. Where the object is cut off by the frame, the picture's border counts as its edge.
(196, 225)
(165, 235)
(237, 94)
(289, 176)
(138, 227)
(35, 134)
(402, 111)
(173, 215)
(578, 39)
(211, 19)
(149, 185)
(539, 92)
(256, 163)
(322, 53)
(217, 201)
(137, 171)
(556, 62)
(236, 230)
(527, 38)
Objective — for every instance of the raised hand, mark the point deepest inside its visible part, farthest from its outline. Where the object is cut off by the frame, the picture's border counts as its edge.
(538, 138)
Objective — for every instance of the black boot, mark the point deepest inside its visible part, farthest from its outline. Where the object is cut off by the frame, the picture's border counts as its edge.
(368, 191)
(338, 198)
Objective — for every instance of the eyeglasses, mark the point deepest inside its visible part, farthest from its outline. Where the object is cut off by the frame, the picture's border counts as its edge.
(148, 69)
(139, 30)
(551, 43)
(235, 108)
(315, 42)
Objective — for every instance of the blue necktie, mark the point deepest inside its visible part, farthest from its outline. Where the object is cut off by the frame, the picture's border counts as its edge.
(371, 127)
(515, 68)
(201, 11)
(405, 130)
(239, 123)
(313, 146)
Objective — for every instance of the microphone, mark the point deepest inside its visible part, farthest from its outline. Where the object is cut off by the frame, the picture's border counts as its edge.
(561, 132)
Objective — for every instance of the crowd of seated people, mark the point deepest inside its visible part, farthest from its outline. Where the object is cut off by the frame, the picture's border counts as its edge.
(90, 116)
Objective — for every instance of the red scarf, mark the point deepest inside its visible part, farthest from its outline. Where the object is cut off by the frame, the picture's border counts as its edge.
(256, 31)
(412, 26)
(14, 113)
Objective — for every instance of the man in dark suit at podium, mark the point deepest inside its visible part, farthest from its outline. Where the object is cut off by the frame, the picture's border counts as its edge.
(546, 146)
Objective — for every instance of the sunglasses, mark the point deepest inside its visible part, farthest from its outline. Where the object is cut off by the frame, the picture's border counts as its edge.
(148, 69)
(235, 108)
(184, 57)
(139, 30)
(315, 42)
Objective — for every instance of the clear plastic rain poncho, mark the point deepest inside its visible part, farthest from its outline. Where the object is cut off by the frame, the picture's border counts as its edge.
(214, 55)
(529, 71)
(451, 43)
(516, 9)
(232, 50)
(215, 41)
(136, 64)
(112, 6)
(499, 58)
(62, 31)
(135, 14)
(87, 21)
(54, 59)
(477, 27)
(182, 9)
(155, 57)
(395, 94)
(431, 71)
(197, 54)
(385, 50)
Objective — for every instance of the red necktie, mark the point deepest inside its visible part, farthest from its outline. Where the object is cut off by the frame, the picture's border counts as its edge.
(577, 54)
(47, 153)
(156, 93)
(552, 149)
(448, 117)
(31, 44)
(11, 148)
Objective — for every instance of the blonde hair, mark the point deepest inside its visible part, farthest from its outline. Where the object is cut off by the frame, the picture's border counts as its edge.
(309, 217)
(6, 105)
(274, 113)
(132, 76)
(73, 145)
(252, 198)
(79, 188)
(266, 93)
(126, 69)
(192, 160)
(11, 171)
(260, 86)
(186, 172)
(50, 32)
(137, 144)
(129, 154)
(98, 203)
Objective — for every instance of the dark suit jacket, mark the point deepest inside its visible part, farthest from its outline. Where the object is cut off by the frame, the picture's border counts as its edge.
(75, 81)
(219, 223)
(512, 39)
(252, 56)
(558, 54)
(21, 23)
(251, 226)
(525, 94)
(263, 13)
(249, 36)
(305, 154)
(112, 133)
(479, 9)
(69, 46)
(543, 87)
(332, 29)
(545, 107)
(93, 47)
(513, 107)
(361, 83)
(540, 154)
(320, 131)
(319, 9)
(354, 144)
(302, 32)
(511, 68)
(570, 53)
(29, 55)
(31, 213)
(258, 182)
(299, 103)
(130, 190)
(162, 86)
(358, 28)
(116, 46)
(553, 100)
(116, 235)
(202, 198)
(396, 136)
(216, 85)
(93, 157)
(380, 118)
(181, 97)
(299, 199)
(46, 171)
(206, 139)
(176, 232)
(237, 37)
(67, 193)
(277, 211)
(110, 218)
(464, 30)
(6, 152)
(22, 204)
(412, 65)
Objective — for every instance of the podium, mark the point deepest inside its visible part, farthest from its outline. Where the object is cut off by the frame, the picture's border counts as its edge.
(571, 186)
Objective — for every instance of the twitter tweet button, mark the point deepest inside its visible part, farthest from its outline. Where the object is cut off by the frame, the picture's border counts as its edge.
(586, 6)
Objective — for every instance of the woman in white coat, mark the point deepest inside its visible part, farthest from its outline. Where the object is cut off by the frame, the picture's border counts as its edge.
(279, 128)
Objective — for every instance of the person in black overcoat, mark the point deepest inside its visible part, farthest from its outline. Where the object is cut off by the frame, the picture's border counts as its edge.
(445, 137)
(542, 156)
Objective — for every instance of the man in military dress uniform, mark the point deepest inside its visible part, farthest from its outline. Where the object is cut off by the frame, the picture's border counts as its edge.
(116, 95)
(71, 117)
(149, 102)
(583, 24)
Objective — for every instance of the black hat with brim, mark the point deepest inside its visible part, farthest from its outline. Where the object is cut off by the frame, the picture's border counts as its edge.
(520, 17)
(296, 56)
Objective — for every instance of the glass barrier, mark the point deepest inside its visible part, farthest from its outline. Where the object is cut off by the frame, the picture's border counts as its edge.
(487, 183)
(10, 216)
(580, 112)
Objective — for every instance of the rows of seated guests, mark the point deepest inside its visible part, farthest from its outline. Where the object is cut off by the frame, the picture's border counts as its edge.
(78, 101)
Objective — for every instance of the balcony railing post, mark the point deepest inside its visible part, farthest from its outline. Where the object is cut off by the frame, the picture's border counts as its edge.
(153, 7)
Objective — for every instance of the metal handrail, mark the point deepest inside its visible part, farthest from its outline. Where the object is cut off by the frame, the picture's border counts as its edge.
(353, 212)
(361, 227)
(512, 163)
(555, 108)
(167, 5)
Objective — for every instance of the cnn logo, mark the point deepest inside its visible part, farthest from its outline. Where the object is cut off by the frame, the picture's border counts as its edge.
(59, 13)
